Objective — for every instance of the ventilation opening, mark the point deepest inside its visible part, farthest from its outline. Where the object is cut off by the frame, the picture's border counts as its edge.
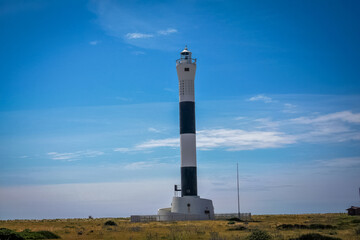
(186, 69)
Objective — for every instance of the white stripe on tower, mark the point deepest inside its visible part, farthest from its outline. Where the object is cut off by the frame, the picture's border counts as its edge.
(186, 68)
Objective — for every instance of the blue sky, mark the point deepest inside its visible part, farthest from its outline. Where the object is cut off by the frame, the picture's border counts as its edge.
(89, 105)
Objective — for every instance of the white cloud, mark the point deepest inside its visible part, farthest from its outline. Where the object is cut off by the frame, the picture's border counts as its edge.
(341, 162)
(138, 165)
(168, 142)
(151, 129)
(335, 127)
(122, 150)
(137, 53)
(345, 116)
(148, 164)
(138, 35)
(237, 139)
(72, 156)
(240, 118)
(267, 123)
(262, 98)
(94, 42)
(289, 108)
(230, 139)
(167, 31)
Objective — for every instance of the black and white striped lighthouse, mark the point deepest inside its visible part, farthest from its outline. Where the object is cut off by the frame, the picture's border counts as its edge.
(189, 206)
(186, 68)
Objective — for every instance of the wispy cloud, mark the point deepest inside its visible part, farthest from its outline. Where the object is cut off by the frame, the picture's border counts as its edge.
(146, 164)
(341, 162)
(267, 123)
(123, 150)
(289, 108)
(237, 139)
(168, 142)
(94, 42)
(72, 156)
(345, 116)
(335, 127)
(230, 139)
(240, 118)
(137, 53)
(262, 98)
(138, 35)
(167, 31)
(151, 129)
(136, 27)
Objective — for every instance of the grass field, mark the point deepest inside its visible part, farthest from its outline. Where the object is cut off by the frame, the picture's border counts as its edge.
(278, 226)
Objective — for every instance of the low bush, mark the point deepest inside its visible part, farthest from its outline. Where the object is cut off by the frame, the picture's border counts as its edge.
(110, 223)
(237, 228)
(259, 235)
(26, 235)
(300, 226)
(9, 234)
(315, 236)
(356, 220)
(48, 235)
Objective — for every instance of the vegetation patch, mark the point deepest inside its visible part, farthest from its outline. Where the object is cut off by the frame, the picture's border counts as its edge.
(356, 220)
(237, 228)
(234, 219)
(110, 223)
(258, 234)
(315, 236)
(9, 234)
(26, 235)
(300, 226)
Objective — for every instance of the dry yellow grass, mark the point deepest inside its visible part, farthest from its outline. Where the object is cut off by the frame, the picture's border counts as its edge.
(95, 229)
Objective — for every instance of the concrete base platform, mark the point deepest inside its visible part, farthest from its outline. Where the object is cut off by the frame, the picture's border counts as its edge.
(187, 208)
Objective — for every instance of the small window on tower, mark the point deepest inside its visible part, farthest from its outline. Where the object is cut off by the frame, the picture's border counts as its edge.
(187, 69)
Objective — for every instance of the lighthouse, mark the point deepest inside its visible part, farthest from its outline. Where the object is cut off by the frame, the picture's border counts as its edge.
(186, 69)
(188, 206)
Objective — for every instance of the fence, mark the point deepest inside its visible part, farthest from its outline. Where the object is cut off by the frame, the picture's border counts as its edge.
(223, 216)
(187, 217)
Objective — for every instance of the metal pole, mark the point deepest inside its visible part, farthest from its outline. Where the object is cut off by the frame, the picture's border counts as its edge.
(238, 194)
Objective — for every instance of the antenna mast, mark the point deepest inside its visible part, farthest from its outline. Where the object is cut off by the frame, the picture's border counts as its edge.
(238, 194)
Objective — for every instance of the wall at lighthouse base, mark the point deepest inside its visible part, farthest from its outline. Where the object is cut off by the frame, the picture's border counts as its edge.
(187, 208)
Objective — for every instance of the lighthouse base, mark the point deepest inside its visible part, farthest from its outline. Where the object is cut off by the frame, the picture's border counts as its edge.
(187, 208)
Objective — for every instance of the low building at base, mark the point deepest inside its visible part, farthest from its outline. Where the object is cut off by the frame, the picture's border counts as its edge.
(353, 211)
(188, 208)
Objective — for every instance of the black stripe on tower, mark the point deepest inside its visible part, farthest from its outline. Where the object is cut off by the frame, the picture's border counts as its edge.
(188, 181)
(187, 117)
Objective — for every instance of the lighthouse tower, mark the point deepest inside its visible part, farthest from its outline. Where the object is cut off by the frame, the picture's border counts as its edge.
(189, 206)
(186, 68)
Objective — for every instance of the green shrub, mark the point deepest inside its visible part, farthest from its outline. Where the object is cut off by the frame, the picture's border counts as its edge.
(259, 235)
(110, 223)
(315, 236)
(237, 228)
(300, 226)
(27, 234)
(48, 235)
(356, 220)
(9, 234)
(235, 219)
(231, 222)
